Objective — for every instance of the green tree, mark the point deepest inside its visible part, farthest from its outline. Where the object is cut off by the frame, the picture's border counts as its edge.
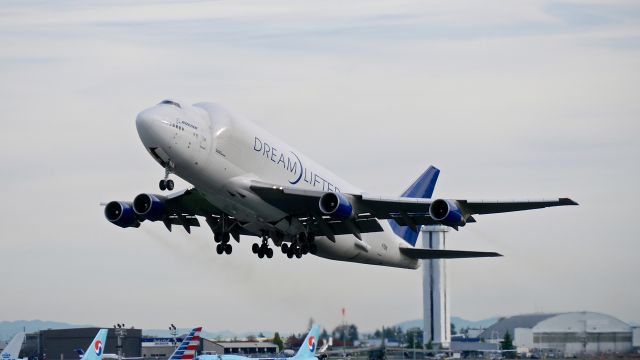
(453, 329)
(507, 344)
(324, 335)
(278, 341)
(413, 337)
(252, 338)
(348, 333)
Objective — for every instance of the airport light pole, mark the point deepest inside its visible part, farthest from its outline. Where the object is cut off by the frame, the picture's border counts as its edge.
(174, 332)
(121, 332)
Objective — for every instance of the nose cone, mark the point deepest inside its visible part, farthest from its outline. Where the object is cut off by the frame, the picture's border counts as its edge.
(150, 126)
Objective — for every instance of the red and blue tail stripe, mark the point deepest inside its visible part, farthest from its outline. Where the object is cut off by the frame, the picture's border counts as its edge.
(188, 347)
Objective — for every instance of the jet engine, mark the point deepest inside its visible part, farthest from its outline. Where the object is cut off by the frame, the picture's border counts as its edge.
(447, 212)
(121, 213)
(149, 206)
(336, 205)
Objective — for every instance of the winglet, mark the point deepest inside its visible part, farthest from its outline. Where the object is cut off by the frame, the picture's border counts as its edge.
(423, 187)
(567, 201)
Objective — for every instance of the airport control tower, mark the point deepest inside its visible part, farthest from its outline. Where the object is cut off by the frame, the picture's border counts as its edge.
(435, 291)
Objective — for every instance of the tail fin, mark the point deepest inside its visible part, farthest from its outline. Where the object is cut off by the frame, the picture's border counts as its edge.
(421, 188)
(188, 346)
(96, 349)
(309, 345)
(12, 350)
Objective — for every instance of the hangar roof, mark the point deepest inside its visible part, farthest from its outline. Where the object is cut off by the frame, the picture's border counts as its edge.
(497, 330)
(583, 321)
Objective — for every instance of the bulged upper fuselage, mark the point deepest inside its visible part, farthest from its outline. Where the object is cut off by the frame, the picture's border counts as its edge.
(220, 154)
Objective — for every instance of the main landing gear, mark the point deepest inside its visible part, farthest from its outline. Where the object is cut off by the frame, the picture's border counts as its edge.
(222, 238)
(166, 183)
(304, 244)
(263, 249)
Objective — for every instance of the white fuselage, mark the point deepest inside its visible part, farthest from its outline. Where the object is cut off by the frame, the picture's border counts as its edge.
(220, 154)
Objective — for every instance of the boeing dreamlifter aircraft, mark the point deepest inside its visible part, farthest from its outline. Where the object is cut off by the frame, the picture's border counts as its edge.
(248, 182)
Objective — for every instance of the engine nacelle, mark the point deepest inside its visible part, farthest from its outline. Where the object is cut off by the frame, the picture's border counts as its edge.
(336, 205)
(149, 206)
(121, 213)
(447, 212)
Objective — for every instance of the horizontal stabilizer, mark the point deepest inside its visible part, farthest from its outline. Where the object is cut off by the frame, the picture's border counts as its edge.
(426, 254)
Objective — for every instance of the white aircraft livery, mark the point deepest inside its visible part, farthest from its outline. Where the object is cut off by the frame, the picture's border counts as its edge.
(12, 350)
(248, 182)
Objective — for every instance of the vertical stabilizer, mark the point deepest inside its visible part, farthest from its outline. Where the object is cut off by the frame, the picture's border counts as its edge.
(421, 188)
(12, 350)
(188, 346)
(96, 349)
(309, 345)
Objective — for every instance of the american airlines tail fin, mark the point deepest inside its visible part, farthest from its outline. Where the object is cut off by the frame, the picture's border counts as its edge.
(188, 346)
(12, 350)
(309, 345)
(421, 188)
(96, 349)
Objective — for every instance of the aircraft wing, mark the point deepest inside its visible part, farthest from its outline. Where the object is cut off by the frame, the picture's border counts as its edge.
(183, 206)
(405, 211)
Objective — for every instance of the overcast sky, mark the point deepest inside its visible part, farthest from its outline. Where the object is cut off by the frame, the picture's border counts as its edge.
(508, 99)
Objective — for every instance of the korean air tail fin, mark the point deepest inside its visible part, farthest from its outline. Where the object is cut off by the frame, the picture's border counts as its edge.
(12, 350)
(309, 345)
(421, 188)
(96, 349)
(188, 346)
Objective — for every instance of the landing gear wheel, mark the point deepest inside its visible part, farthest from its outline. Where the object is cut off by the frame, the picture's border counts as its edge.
(217, 237)
(162, 185)
(313, 248)
(298, 254)
(290, 253)
(228, 249)
(255, 248)
(169, 185)
(284, 247)
(226, 237)
(269, 253)
(304, 248)
(219, 249)
(260, 254)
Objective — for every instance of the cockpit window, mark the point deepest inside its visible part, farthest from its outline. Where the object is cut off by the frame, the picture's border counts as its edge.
(171, 102)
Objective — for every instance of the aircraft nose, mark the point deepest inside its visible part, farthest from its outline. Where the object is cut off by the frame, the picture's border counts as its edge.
(150, 127)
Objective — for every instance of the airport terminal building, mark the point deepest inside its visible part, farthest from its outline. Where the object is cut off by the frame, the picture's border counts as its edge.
(566, 334)
(61, 343)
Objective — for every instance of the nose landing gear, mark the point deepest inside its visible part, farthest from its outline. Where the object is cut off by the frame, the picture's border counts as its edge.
(166, 183)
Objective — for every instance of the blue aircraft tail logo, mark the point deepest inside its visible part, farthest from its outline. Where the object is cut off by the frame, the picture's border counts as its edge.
(312, 343)
(421, 188)
(98, 347)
